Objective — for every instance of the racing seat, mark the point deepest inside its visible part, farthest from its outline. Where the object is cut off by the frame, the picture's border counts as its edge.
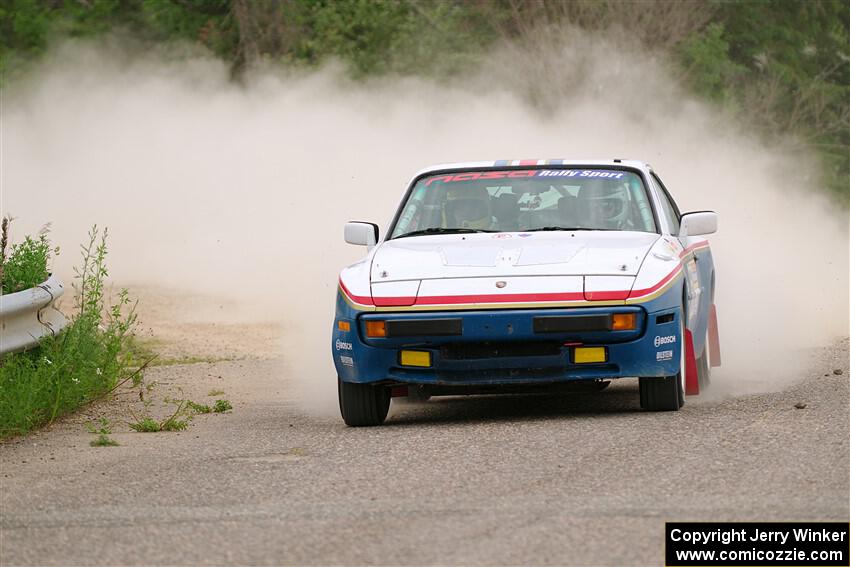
(568, 211)
(506, 211)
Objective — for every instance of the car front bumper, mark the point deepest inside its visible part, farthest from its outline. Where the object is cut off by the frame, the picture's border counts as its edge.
(502, 347)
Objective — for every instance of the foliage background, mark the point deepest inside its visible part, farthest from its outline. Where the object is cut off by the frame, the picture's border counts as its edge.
(781, 67)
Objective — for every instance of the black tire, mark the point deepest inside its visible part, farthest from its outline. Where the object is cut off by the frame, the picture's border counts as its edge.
(667, 393)
(363, 405)
(661, 394)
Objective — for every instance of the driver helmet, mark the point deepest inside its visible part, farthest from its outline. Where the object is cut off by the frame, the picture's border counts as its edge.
(606, 201)
(467, 207)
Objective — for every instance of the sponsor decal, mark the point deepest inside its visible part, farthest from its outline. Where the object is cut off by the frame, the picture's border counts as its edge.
(346, 361)
(525, 235)
(342, 345)
(664, 355)
(501, 236)
(476, 175)
(669, 339)
(580, 173)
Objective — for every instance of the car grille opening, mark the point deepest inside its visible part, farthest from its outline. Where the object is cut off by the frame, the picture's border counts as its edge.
(469, 351)
(666, 318)
(423, 327)
(572, 323)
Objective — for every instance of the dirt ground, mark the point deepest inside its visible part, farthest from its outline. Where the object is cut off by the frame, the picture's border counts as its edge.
(575, 479)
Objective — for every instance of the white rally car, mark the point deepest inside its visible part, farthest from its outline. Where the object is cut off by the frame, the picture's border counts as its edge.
(495, 275)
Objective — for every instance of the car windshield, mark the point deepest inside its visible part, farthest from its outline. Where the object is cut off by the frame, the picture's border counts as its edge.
(526, 200)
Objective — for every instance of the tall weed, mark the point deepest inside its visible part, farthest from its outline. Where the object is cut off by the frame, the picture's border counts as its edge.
(89, 359)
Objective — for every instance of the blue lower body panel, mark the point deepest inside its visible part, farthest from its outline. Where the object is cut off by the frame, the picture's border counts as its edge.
(506, 347)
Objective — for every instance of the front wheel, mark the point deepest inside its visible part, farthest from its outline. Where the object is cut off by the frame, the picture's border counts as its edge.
(667, 393)
(661, 394)
(363, 405)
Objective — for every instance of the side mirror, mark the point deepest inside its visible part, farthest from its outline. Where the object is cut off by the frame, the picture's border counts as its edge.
(695, 224)
(361, 233)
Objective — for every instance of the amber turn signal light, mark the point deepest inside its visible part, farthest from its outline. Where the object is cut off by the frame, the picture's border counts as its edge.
(376, 329)
(624, 322)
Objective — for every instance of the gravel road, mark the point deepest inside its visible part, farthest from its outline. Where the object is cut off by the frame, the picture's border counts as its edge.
(584, 479)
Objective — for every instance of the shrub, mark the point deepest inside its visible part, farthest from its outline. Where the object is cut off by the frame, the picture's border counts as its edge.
(27, 263)
(86, 361)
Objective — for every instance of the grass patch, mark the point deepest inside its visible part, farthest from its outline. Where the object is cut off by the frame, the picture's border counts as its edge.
(147, 424)
(89, 359)
(103, 427)
(198, 408)
(104, 441)
(147, 349)
(177, 421)
(143, 349)
(186, 360)
(174, 424)
(102, 430)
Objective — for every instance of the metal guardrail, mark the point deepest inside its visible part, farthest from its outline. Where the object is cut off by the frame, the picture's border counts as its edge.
(28, 316)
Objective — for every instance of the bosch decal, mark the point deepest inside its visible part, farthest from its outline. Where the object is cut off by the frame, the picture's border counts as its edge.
(664, 340)
(342, 345)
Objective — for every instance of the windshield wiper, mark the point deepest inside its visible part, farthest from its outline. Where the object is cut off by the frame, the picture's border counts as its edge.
(440, 230)
(568, 228)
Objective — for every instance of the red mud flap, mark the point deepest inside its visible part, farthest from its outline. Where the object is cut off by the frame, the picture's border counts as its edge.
(691, 376)
(398, 392)
(713, 337)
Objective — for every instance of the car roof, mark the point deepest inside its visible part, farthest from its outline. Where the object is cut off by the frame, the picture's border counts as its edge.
(498, 164)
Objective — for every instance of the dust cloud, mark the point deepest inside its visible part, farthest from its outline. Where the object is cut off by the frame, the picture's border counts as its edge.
(241, 190)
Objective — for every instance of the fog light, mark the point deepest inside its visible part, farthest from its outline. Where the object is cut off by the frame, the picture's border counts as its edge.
(584, 355)
(376, 329)
(415, 358)
(624, 321)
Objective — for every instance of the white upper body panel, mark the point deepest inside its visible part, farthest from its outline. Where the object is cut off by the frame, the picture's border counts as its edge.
(511, 254)
(601, 265)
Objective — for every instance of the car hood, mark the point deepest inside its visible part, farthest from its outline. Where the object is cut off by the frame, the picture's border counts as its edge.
(562, 253)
